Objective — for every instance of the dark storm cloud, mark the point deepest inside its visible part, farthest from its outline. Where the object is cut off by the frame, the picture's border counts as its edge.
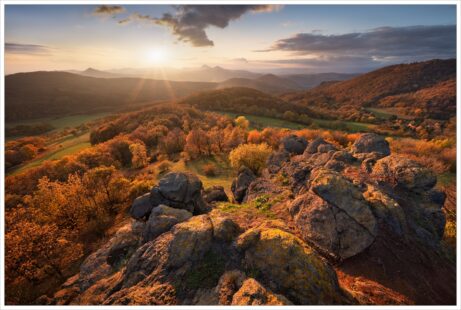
(189, 22)
(108, 10)
(430, 41)
(29, 49)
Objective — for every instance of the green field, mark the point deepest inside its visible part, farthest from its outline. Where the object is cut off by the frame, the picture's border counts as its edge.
(59, 123)
(259, 122)
(67, 146)
(386, 113)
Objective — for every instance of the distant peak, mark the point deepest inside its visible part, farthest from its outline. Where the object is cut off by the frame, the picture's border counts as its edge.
(91, 70)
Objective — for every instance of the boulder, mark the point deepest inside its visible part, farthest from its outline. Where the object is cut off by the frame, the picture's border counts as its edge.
(161, 219)
(289, 266)
(240, 184)
(185, 243)
(369, 143)
(276, 160)
(313, 147)
(404, 172)
(214, 194)
(325, 148)
(179, 190)
(141, 207)
(331, 230)
(224, 228)
(340, 192)
(252, 293)
(228, 284)
(387, 210)
(101, 263)
(294, 144)
(343, 156)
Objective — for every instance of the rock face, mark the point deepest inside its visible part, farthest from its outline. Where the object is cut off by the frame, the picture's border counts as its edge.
(371, 143)
(294, 144)
(241, 183)
(404, 172)
(215, 194)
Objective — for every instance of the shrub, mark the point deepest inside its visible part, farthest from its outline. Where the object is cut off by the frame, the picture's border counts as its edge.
(138, 155)
(252, 156)
(209, 170)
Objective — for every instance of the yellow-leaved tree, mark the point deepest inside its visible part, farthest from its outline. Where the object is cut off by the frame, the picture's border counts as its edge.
(252, 156)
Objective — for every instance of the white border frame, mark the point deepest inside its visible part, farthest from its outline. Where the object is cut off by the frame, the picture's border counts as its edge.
(163, 2)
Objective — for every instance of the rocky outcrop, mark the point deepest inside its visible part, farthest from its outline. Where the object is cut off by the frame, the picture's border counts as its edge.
(371, 143)
(319, 146)
(334, 216)
(276, 160)
(252, 293)
(177, 190)
(364, 214)
(214, 194)
(241, 183)
(161, 219)
(290, 266)
(294, 144)
(404, 172)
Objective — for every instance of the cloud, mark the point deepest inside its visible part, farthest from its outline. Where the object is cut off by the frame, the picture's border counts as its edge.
(108, 10)
(430, 41)
(240, 60)
(26, 49)
(189, 22)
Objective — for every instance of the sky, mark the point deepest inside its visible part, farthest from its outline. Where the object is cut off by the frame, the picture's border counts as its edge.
(288, 38)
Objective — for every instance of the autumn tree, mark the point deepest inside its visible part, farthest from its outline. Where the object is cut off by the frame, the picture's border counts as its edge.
(242, 122)
(252, 156)
(139, 157)
(173, 142)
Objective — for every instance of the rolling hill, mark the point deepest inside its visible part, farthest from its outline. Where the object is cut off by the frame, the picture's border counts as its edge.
(44, 94)
(429, 86)
(244, 100)
(312, 80)
(268, 83)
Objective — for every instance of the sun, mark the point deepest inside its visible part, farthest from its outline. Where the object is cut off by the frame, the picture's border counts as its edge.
(157, 55)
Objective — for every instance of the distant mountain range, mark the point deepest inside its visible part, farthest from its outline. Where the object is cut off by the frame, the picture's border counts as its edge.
(227, 78)
(429, 86)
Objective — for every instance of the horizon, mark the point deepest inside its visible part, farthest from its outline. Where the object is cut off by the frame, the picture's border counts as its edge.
(278, 39)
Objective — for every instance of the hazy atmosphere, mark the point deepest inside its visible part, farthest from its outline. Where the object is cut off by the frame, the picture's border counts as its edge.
(290, 38)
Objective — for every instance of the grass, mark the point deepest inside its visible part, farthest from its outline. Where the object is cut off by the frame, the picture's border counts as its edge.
(260, 122)
(386, 113)
(67, 146)
(59, 123)
(223, 176)
(261, 205)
